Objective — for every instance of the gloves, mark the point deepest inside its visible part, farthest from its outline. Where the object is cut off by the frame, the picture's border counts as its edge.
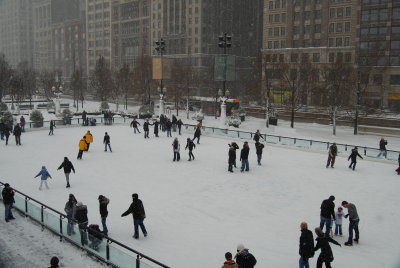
(346, 216)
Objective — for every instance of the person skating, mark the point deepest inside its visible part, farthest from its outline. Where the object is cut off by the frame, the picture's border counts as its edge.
(398, 169)
(52, 126)
(338, 221)
(168, 126)
(197, 133)
(382, 148)
(84, 121)
(244, 258)
(82, 147)
(190, 145)
(138, 213)
(106, 142)
(174, 121)
(231, 157)
(146, 129)
(103, 203)
(179, 123)
(8, 200)
(244, 157)
(306, 245)
(354, 220)
(156, 127)
(89, 139)
(235, 147)
(22, 123)
(259, 151)
(44, 174)
(327, 213)
(326, 255)
(17, 133)
(257, 136)
(81, 217)
(95, 236)
(229, 263)
(176, 147)
(353, 157)
(134, 125)
(332, 153)
(67, 165)
(2, 129)
(70, 208)
(7, 132)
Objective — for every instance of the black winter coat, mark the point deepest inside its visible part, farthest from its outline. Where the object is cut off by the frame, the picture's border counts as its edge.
(6, 130)
(328, 209)
(17, 131)
(146, 126)
(306, 247)
(94, 232)
(353, 155)
(382, 145)
(179, 123)
(333, 150)
(106, 139)
(156, 126)
(137, 210)
(326, 251)
(190, 144)
(103, 203)
(259, 148)
(245, 259)
(197, 133)
(244, 153)
(67, 165)
(8, 195)
(232, 155)
(81, 214)
(168, 124)
(257, 137)
(134, 124)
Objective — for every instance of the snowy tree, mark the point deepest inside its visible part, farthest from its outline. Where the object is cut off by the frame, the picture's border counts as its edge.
(101, 80)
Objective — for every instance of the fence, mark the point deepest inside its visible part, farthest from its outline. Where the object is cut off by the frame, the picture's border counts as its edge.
(281, 140)
(109, 250)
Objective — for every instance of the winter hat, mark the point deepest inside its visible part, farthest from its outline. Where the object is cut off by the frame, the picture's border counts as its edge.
(135, 196)
(240, 247)
(79, 204)
(54, 262)
(188, 139)
(43, 167)
(101, 197)
(6, 185)
(332, 198)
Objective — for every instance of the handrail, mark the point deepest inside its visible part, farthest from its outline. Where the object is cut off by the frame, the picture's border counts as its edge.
(109, 239)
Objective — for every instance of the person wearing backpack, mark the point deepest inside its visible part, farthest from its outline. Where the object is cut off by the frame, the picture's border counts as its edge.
(306, 246)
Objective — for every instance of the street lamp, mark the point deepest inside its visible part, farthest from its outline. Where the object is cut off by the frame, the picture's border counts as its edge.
(160, 48)
(357, 100)
(225, 42)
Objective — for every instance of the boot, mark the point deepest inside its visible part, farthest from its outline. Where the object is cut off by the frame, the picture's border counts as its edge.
(348, 243)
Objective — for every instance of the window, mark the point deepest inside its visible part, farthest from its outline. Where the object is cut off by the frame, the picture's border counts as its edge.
(296, 43)
(270, 32)
(306, 43)
(306, 29)
(347, 41)
(317, 28)
(395, 45)
(276, 31)
(340, 12)
(270, 18)
(377, 79)
(339, 27)
(395, 60)
(271, 5)
(395, 79)
(283, 31)
(307, 15)
(396, 30)
(374, 15)
(348, 11)
(396, 13)
(277, 4)
(332, 12)
(316, 57)
(339, 42)
(296, 29)
(347, 27)
(330, 42)
(296, 16)
(294, 57)
(277, 17)
(283, 17)
(283, 43)
(276, 44)
(283, 3)
(317, 14)
(331, 57)
(317, 42)
(269, 44)
(331, 27)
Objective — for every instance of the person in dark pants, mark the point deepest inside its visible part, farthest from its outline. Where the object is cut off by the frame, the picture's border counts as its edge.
(259, 151)
(174, 120)
(244, 157)
(232, 157)
(257, 136)
(179, 123)
(134, 125)
(156, 127)
(398, 169)
(138, 213)
(8, 200)
(326, 255)
(103, 203)
(70, 208)
(52, 126)
(67, 165)
(197, 133)
(17, 133)
(176, 147)
(2, 129)
(82, 219)
(354, 221)
(168, 126)
(84, 113)
(327, 213)
(146, 129)
(235, 147)
(382, 148)
(306, 246)
(190, 145)
(82, 147)
(22, 122)
(106, 142)
(244, 258)
(353, 157)
(332, 153)
(7, 132)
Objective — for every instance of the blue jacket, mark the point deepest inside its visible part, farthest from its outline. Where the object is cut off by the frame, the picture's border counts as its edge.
(44, 174)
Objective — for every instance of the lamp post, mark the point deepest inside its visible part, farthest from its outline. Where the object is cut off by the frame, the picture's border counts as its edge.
(225, 42)
(57, 92)
(160, 48)
(357, 100)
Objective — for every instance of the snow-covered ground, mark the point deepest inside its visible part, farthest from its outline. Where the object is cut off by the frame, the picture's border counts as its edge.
(196, 211)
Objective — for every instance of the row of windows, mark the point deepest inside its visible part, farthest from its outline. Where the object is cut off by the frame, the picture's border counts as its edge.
(339, 27)
(339, 42)
(277, 18)
(307, 15)
(340, 57)
(294, 57)
(277, 4)
(338, 12)
(307, 29)
(307, 43)
(374, 15)
(277, 31)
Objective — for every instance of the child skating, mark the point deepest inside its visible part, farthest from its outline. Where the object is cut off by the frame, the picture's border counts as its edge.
(338, 221)
(44, 174)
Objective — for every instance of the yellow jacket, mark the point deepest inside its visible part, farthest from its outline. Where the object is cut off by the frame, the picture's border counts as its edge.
(82, 144)
(89, 137)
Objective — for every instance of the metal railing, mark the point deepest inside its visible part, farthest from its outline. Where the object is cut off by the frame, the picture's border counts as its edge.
(246, 135)
(107, 250)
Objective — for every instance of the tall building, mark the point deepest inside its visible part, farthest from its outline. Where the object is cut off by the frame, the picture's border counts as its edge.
(98, 32)
(191, 29)
(16, 31)
(130, 31)
(359, 32)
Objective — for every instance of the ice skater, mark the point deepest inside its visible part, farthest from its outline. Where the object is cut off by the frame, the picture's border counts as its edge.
(52, 126)
(326, 255)
(382, 148)
(89, 139)
(106, 142)
(259, 151)
(176, 147)
(190, 145)
(354, 221)
(134, 125)
(82, 147)
(146, 129)
(69, 209)
(244, 157)
(332, 153)
(338, 221)
(197, 133)
(67, 165)
(138, 213)
(44, 174)
(353, 157)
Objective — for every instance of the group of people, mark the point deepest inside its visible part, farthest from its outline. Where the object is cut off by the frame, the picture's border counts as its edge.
(328, 215)
(84, 144)
(7, 129)
(176, 147)
(165, 124)
(333, 151)
(244, 259)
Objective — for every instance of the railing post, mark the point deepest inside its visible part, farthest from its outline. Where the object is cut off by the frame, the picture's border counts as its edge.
(280, 138)
(365, 150)
(108, 250)
(294, 140)
(310, 142)
(61, 231)
(327, 145)
(238, 134)
(138, 261)
(41, 215)
(345, 147)
(26, 205)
